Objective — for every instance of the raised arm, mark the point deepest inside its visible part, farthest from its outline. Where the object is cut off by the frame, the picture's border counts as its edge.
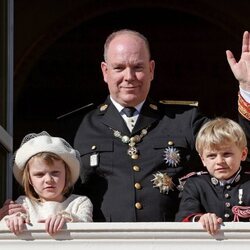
(241, 69)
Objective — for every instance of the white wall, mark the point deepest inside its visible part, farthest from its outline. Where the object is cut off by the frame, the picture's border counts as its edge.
(121, 236)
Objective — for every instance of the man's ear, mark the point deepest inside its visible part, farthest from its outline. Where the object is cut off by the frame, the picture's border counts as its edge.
(104, 68)
(152, 69)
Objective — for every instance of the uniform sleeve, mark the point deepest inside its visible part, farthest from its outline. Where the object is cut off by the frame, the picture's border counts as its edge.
(81, 209)
(190, 204)
(245, 124)
(244, 116)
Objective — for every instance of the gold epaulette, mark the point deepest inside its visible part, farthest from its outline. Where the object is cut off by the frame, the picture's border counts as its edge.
(179, 102)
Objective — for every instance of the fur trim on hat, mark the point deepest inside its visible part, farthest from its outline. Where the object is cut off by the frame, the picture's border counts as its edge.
(33, 144)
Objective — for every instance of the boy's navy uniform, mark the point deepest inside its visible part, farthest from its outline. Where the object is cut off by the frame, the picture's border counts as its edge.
(205, 194)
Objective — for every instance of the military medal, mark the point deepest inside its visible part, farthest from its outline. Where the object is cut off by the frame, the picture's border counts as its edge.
(132, 151)
(163, 182)
(172, 156)
(240, 196)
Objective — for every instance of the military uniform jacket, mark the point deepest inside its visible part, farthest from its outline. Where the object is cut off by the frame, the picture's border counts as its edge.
(204, 194)
(121, 188)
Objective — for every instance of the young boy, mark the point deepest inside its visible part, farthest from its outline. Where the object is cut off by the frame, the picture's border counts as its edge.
(213, 197)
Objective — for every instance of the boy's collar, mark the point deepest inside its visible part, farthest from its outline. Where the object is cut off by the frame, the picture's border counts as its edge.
(233, 179)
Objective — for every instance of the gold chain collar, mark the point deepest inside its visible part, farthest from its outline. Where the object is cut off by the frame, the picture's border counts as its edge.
(133, 152)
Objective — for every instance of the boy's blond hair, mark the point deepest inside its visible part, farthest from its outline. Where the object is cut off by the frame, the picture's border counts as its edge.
(220, 131)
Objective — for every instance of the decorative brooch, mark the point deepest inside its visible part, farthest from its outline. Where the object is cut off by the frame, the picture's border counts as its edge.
(163, 182)
(172, 156)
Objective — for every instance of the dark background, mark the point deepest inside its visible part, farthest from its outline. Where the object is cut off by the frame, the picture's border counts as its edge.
(59, 48)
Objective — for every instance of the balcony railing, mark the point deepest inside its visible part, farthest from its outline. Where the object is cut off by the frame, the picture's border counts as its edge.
(124, 236)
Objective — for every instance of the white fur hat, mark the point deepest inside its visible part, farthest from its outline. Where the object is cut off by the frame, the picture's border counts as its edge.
(33, 144)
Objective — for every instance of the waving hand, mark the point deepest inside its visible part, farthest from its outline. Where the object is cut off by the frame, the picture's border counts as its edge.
(241, 69)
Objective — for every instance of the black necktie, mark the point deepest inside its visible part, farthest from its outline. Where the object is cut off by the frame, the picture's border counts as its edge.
(129, 111)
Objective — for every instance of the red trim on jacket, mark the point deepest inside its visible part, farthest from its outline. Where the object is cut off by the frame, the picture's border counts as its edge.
(191, 217)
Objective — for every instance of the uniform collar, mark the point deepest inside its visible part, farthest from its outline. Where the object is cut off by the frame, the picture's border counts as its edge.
(119, 107)
(149, 113)
(234, 179)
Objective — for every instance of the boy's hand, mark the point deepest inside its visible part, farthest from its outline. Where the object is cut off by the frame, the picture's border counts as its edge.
(210, 222)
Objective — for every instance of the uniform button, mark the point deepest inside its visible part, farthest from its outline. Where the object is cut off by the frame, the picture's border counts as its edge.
(134, 156)
(226, 215)
(228, 187)
(137, 185)
(227, 204)
(227, 196)
(138, 205)
(93, 147)
(136, 168)
(170, 143)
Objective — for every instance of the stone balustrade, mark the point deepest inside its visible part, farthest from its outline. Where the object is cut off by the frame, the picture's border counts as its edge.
(124, 236)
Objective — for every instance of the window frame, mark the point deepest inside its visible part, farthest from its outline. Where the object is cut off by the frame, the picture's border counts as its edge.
(6, 95)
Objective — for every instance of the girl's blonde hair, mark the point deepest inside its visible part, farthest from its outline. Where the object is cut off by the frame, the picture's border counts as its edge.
(220, 131)
(48, 158)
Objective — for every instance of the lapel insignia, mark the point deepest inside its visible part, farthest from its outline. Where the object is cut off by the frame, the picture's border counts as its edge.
(214, 181)
(103, 107)
(152, 106)
(237, 178)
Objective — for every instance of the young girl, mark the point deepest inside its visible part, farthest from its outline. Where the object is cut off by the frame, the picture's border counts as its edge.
(47, 167)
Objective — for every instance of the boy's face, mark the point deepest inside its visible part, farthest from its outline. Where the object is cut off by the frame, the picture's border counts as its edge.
(223, 161)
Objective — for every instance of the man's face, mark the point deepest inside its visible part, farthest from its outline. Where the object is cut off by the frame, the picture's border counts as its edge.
(224, 161)
(128, 70)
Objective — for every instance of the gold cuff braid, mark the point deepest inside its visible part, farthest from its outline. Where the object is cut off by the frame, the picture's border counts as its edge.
(243, 107)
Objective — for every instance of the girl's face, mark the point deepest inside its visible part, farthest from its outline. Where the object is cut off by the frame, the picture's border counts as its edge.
(48, 181)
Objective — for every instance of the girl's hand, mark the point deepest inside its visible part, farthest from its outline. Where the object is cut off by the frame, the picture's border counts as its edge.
(54, 223)
(210, 222)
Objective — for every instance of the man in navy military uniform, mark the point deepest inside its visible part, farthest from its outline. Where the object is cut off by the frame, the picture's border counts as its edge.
(132, 158)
